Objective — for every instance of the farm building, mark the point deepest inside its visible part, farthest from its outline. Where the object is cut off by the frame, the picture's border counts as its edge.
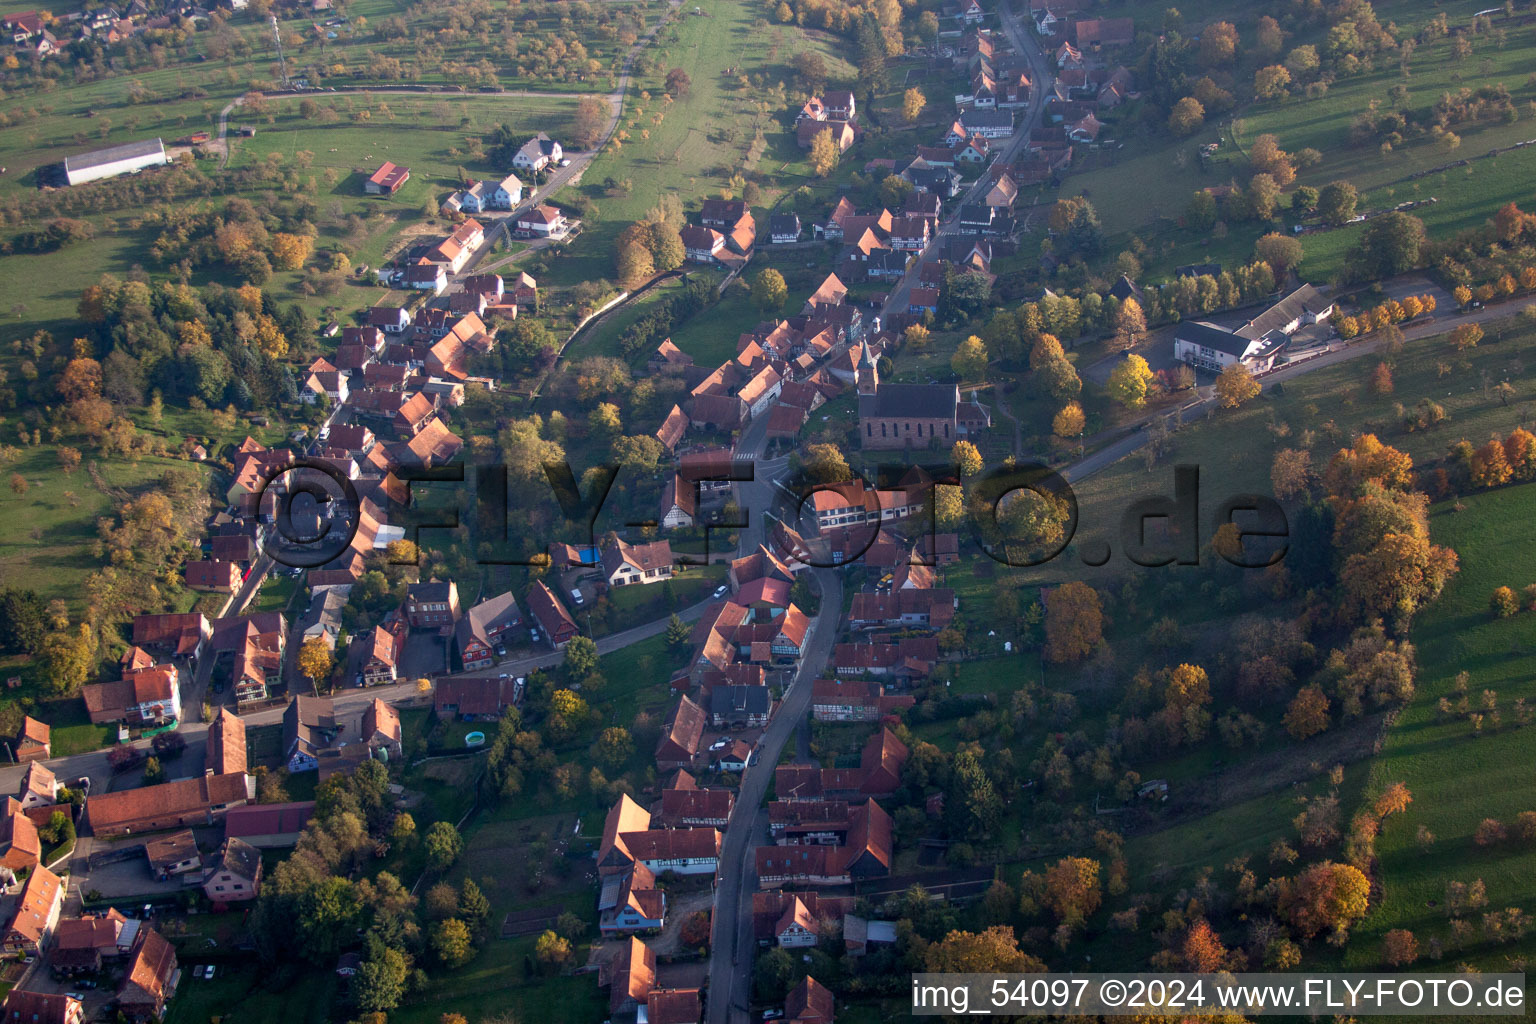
(386, 181)
(115, 160)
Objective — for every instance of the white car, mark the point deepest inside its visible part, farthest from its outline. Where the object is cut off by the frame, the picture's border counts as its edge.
(576, 596)
(721, 589)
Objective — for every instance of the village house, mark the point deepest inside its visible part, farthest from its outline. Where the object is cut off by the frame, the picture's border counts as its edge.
(380, 730)
(680, 736)
(224, 749)
(234, 874)
(201, 800)
(784, 228)
(538, 153)
(432, 605)
(39, 787)
(631, 904)
(556, 623)
(37, 912)
(172, 855)
(33, 741)
(146, 697)
(1256, 344)
(212, 576)
(84, 944)
(740, 707)
(854, 700)
(625, 564)
(473, 699)
(380, 654)
(309, 727)
(481, 633)
(542, 221)
(630, 977)
(151, 977)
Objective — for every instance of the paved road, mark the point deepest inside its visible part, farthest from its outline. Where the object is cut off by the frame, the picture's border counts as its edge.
(1339, 352)
(1025, 45)
(730, 965)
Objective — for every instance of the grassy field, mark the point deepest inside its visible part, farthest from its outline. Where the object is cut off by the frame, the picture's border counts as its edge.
(1458, 778)
(1166, 170)
(692, 147)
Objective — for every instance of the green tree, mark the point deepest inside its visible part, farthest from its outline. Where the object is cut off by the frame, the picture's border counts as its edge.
(474, 907)
(581, 658)
(970, 360)
(552, 950)
(443, 845)
(677, 633)
(1336, 202)
(379, 984)
(769, 290)
(613, 748)
(1390, 244)
(452, 943)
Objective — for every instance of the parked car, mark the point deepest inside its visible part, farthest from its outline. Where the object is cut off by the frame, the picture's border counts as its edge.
(720, 591)
(576, 596)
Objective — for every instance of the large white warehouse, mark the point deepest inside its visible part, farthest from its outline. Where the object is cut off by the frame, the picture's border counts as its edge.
(115, 160)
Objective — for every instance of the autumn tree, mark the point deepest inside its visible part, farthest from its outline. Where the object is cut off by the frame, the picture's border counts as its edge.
(1069, 421)
(552, 950)
(678, 83)
(966, 458)
(81, 379)
(1399, 948)
(1187, 117)
(1235, 385)
(1503, 603)
(1325, 897)
(824, 153)
(769, 290)
(1291, 472)
(994, 950)
(970, 360)
(1394, 800)
(1308, 713)
(1490, 465)
(1130, 325)
(1033, 520)
(613, 747)
(1271, 82)
(1218, 44)
(912, 103)
(1074, 622)
(1202, 950)
(1466, 336)
(289, 251)
(1130, 381)
(593, 114)
(1367, 460)
(1071, 889)
(316, 661)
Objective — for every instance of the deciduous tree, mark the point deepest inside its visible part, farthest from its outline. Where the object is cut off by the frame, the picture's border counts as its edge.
(1235, 385)
(1130, 381)
(1074, 622)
